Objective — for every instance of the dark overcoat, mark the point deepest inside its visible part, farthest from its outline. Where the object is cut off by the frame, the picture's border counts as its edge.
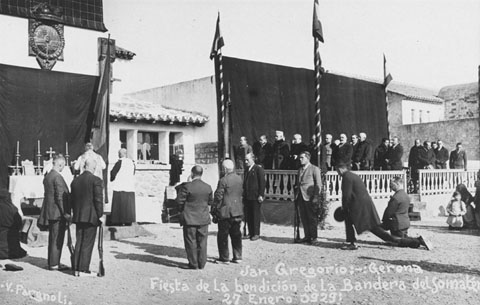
(357, 203)
(395, 217)
(253, 182)
(395, 157)
(56, 198)
(87, 199)
(343, 154)
(194, 199)
(227, 200)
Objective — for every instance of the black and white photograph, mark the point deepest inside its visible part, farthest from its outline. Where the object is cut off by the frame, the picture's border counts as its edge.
(240, 152)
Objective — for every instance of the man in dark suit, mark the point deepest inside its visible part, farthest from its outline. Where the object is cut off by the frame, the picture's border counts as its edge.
(281, 151)
(307, 197)
(458, 158)
(380, 160)
(253, 195)
(87, 204)
(194, 199)
(361, 214)
(441, 156)
(355, 153)
(426, 156)
(395, 218)
(342, 154)
(414, 163)
(55, 211)
(296, 148)
(363, 154)
(395, 154)
(228, 207)
(264, 152)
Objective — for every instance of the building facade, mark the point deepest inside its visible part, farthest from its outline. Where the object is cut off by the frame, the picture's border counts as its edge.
(155, 124)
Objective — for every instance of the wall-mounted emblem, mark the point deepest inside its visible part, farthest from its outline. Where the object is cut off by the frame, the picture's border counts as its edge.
(46, 42)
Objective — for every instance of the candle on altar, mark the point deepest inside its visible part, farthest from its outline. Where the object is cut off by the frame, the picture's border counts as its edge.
(66, 148)
(38, 146)
(18, 147)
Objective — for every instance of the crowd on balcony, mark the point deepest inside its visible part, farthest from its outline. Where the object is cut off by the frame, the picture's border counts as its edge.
(358, 153)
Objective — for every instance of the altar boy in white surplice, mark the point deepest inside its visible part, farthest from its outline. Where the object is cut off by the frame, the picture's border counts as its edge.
(122, 177)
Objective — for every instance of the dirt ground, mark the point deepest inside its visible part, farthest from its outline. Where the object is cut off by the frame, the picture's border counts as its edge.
(148, 270)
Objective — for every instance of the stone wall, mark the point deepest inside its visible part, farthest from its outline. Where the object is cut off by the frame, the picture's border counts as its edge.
(152, 183)
(461, 101)
(450, 132)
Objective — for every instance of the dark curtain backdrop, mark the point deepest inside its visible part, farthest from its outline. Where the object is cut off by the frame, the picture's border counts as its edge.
(267, 97)
(52, 107)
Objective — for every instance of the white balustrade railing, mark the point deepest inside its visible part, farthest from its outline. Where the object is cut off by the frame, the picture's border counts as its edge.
(280, 183)
(444, 181)
(376, 182)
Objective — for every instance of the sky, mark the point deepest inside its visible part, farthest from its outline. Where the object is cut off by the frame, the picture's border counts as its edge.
(428, 43)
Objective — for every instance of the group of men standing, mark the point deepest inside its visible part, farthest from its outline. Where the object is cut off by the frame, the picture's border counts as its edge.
(433, 155)
(234, 200)
(277, 155)
(358, 153)
(82, 204)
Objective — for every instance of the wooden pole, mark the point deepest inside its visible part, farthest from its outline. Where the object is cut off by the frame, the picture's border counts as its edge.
(318, 76)
(226, 125)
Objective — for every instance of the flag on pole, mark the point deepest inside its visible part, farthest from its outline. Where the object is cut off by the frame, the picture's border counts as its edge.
(317, 31)
(387, 77)
(216, 53)
(102, 107)
(101, 122)
(217, 40)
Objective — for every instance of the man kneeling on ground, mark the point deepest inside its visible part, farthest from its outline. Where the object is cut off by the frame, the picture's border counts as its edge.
(360, 213)
(395, 218)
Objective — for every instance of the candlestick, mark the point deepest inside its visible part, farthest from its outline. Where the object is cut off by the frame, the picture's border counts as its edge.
(67, 156)
(38, 168)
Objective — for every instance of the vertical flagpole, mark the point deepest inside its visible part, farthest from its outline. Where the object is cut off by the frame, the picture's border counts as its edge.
(318, 76)
(223, 108)
(216, 53)
(226, 124)
(386, 81)
(317, 33)
(107, 120)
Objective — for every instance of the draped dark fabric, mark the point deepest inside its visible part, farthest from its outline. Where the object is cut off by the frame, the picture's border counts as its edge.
(86, 14)
(266, 97)
(52, 107)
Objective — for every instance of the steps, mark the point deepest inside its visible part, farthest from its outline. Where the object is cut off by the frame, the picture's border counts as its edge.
(416, 207)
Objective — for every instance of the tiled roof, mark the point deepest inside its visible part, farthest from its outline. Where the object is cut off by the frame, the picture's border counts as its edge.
(123, 53)
(136, 110)
(407, 90)
(458, 91)
(414, 92)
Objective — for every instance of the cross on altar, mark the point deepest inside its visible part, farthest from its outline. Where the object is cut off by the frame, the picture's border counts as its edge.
(50, 152)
